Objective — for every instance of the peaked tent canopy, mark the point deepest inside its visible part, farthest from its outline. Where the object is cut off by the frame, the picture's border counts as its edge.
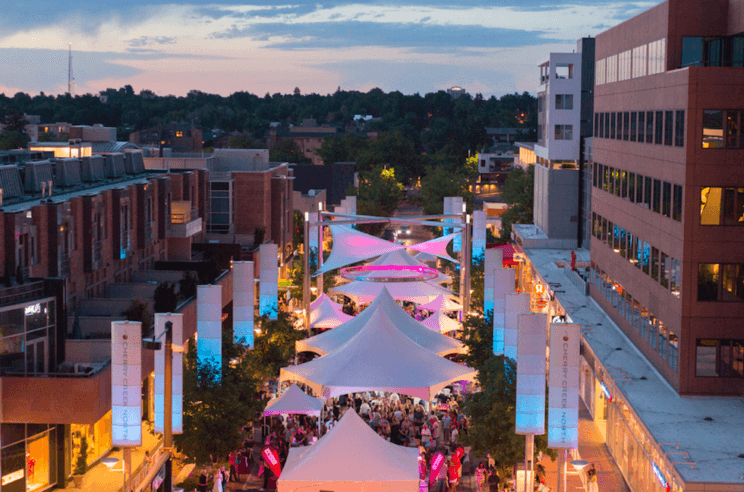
(328, 315)
(378, 358)
(440, 322)
(350, 457)
(401, 257)
(424, 257)
(317, 302)
(393, 315)
(364, 292)
(294, 400)
(441, 303)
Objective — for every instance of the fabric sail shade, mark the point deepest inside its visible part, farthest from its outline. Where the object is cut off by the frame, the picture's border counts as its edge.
(364, 292)
(442, 323)
(327, 314)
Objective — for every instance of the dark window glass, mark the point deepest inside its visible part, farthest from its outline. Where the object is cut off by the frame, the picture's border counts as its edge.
(606, 180)
(638, 253)
(654, 263)
(639, 190)
(666, 267)
(641, 125)
(601, 125)
(728, 208)
(623, 243)
(659, 128)
(11, 322)
(633, 126)
(645, 256)
(611, 189)
(619, 134)
(668, 127)
(732, 283)
(692, 51)
(626, 125)
(618, 182)
(604, 230)
(719, 358)
(631, 186)
(632, 248)
(708, 282)
(610, 234)
(624, 179)
(657, 196)
(596, 125)
(712, 129)
(607, 125)
(612, 125)
(666, 199)
(677, 203)
(649, 127)
(734, 136)
(679, 129)
(647, 193)
(594, 175)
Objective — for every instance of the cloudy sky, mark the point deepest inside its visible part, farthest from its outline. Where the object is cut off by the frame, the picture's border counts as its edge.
(264, 46)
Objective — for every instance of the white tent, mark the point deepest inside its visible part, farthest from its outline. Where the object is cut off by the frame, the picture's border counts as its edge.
(380, 358)
(391, 314)
(328, 314)
(441, 303)
(401, 257)
(317, 302)
(294, 400)
(351, 246)
(364, 292)
(441, 322)
(350, 457)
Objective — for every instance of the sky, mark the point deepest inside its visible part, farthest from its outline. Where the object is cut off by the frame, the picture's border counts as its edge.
(260, 46)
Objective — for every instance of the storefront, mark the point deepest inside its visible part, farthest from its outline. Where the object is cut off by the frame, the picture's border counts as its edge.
(97, 436)
(28, 457)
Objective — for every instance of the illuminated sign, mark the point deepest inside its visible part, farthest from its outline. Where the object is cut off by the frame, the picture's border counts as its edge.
(31, 310)
(539, 289)
(12, 477)
(177, 374)
(531, 345)
(659, 475)
(606, 392)
(563, 386)
(436, 464)
(126, 383)
(271, 457)
(243, 302)
(514, 304)
(209, 326)
(269, 286)
(503, 284)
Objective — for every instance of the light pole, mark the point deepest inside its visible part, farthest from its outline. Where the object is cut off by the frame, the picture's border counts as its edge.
(306, 274)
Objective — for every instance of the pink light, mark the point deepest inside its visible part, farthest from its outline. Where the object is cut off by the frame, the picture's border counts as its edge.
(411, 273)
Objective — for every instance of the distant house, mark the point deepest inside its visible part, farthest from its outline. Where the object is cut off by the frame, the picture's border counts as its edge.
(180, 138)
(307, 138)
(502, 134)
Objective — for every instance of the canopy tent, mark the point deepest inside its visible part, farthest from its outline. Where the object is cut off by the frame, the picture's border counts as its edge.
(401, 257)
(294, 400)
(350, 457)
(351, 246)
(378, 358)
(421, 256)
(441, 303)
(363, 292)
(328, 314)
(391, 314)
(437, 246)
(317, 302)
(441, 322)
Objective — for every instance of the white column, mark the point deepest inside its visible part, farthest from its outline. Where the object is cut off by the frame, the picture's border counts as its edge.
(533, 333)
(457, 209)
(177, 396)
(243, 302)
(503, 283)
(563, 386)
(314, 237)
(493, 261)
(516, 304)
(268, 304)
(351, 205)
(126, 383)
(479, 235)
(209, 325)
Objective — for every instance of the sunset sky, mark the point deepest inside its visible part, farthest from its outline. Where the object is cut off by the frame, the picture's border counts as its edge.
(261, 46)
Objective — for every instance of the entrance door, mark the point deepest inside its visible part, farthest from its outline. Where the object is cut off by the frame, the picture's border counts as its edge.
(36, 356)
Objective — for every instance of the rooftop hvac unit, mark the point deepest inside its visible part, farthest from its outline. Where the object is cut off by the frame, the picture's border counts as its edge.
(133, 162)
(91, 169)
(36, 174)
(10, 181)
(113, 165)
(66, 172)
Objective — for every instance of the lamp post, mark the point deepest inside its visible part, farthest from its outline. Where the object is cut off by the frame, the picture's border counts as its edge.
(306, 274)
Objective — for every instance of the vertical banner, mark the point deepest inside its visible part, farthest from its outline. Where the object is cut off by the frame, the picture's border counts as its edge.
(531, 344)
(447, 211)
(271, 457)
(516, 304)
(243, 302)
(126, 383)
(479, 236)
(209, 325)
(268, 303)
(437, 461)
(493, 260)
(563, 386)
(503, 283)
(457, 209)
(177, 394)
(313, 240)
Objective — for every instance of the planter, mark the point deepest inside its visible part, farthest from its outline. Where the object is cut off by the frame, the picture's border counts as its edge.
(78, 479)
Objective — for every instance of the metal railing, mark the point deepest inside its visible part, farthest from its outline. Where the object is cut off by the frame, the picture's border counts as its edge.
(97, 369)
(184, 218)
(138, 477)
(20, 293)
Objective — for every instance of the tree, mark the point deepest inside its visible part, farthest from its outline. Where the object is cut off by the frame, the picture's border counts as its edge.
(518, 194)
(259, 235)
(440, 182)
(286, 150)
(379, 194)
(296, 274)
(396, 151)
(342, 148)
(298, 232)
(243, 142)
(187, 285)
(12, 139)
(165, 297)
(274, 346)
(138, 311)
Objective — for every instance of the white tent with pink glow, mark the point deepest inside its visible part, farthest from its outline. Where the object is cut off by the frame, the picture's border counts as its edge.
(327, 314)
(402, 258)
(442, 323)
(351, 457)
(363, 292)
(441, 303)
(294, 400)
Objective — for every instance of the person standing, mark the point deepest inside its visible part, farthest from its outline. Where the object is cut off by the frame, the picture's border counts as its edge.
(447, 427)
(493, 481)
(452, 474)
(481, 475)
(232, 460)
(592, 479)
(203, 480)
(217, 482)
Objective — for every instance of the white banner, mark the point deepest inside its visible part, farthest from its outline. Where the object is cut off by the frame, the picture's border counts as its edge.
(563, 386)
(516, 303)
(177, 394)
(503, 283)
(209, 325)
(479, 234)
(243, 302)
(493, 261)
(531, 345)
(126, 383)
(268, 303)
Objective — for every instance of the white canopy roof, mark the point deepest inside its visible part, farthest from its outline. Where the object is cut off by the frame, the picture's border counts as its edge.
(421, 256)
(294, 400)
(437, 246)
(380, 358)
(441, 303)
(364, 292)
(328, 314)
(318, 301)
(350, 457)
(351, 246)
(440, 322)
(391, 314)
(401, 257)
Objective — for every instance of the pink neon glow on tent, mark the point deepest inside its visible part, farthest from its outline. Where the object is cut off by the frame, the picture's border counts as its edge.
(437, 246)
(294, 400)
(442, 323)
(418, 292)
(402, 258)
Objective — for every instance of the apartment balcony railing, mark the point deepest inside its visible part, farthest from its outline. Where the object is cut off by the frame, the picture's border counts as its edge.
(185, 224)
(97, 252)
(20, 293)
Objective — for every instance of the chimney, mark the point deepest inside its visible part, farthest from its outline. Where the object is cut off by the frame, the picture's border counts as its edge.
(43, 189)
(1, 197)
(49, 186)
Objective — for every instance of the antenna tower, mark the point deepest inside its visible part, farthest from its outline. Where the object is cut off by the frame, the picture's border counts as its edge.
(70, 78)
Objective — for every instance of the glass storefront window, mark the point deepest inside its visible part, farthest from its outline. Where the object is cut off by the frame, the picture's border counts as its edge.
(29, 464)
(98, 436)
(26, 337)
(37, 462)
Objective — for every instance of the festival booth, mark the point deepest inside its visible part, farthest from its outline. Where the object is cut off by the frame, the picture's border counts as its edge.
(327, 314)
(441, 303)
(294, 401)
(390, 315)
(442, 323)
(378, 358)
(350, 457)
(402, 258)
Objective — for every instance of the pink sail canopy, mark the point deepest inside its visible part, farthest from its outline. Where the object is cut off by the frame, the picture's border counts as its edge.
(392, 314)
(437, 246)
(294, 400)
(328, 314)
(441, 303)
(401, 258)
(350, 457)
(351, 246)
(442, 323)
(418, 292)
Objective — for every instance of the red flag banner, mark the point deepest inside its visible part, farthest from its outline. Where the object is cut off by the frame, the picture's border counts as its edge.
(437, 461)
(271, 457)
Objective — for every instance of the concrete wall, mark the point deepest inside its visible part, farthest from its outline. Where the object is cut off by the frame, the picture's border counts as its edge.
(556, 202)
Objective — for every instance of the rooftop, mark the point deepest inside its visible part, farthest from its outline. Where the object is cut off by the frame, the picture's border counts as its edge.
(708, 428)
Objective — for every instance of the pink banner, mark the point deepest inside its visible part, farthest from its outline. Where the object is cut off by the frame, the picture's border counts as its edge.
(271, 457)
(436, 464)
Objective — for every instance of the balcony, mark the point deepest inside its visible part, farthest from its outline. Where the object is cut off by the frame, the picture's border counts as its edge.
(20, 293)
(184, 221)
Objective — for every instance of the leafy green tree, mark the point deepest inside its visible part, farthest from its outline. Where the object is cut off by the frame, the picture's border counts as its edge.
(274, 347)
(379, 194)
(296, 274)
(394, 150)
(518, 194)
(243, 142)
(51, 137)
(440, 182)
(165, 297)
(343, 147)
(12, 139)
(187, 285)
(298, 229)
(286, 150)
(138, 311)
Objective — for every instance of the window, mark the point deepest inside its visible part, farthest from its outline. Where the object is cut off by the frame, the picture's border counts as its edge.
(596, 125)
(721, 282)
(611, 189)
(677, 203)
(712, 129)
(618, 181)
(612, 125)
(639, 61)
(723, 129)
(631, 186)
(645, 256)
(654, 263)
(606, 179)
(607, 125)
(721, 358)
(639, 190)
(666, 199)
(626, 125)
(708, 282)
(721, 206)
(649, 127)
(564, 132)
(734, 120)
(624, 68)
(675, 277)
(659, 129)
(601, 126)
(624, 180)
(666, 270)
(564, 101)
(595, 170)
(647, 193)
(564, 70)
(668, 127)
(633, 127)
(600, 74)
(657, 196)
(179, 133)
(679, 129)
(641, 125)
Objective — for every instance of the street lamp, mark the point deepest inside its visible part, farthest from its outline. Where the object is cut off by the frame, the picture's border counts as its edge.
(579, 465)
(154, 343)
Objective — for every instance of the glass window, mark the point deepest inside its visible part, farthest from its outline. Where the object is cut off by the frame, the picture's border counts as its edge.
(622, 243)
(638, 253)
(611, 189)
(633, 125)
(659, 128)
(666, 270)
(732, 281)
(594, 175)
(673, 350)
(654, 263)
(675, 278)
(647, 193)
(732, 358)
(618, 182)
(649, 127)
(677, 203)
(606, 179)
(564, 101)
(733, 129)
(610, 235)
(712, 129)
(692, 51)
(564, 132)
(612, 125)
(604, 230)
(653, 324)
(11, 322)
(733, 206)
(679, 129)
(639, 190)
(624, 179)
(708, 281)
(705, 359)
(666, 199)
(646, 257)
(596, 125)
(668, 127)
(607, 125)
(657, 196)
(631, 186)
(641, 126)
(719, 358)
(626, 125)
(710, 206)
(631, 247)
(662, 338)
